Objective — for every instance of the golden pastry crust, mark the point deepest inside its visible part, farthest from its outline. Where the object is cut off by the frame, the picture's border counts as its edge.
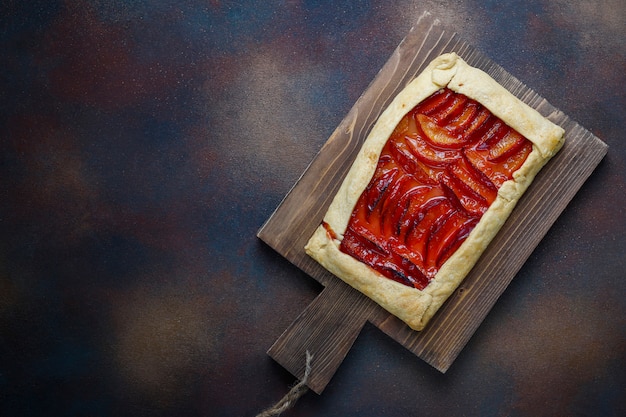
(416, 307)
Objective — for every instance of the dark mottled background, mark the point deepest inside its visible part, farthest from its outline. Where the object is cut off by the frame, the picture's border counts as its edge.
(143, 143)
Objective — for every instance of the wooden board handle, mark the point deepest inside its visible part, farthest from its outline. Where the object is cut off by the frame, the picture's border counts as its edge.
(327, 328)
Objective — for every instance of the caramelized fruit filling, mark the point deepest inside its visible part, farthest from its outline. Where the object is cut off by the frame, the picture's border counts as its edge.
(437, 174)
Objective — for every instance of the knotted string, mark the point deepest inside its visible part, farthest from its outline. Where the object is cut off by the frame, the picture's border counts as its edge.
(293, 395)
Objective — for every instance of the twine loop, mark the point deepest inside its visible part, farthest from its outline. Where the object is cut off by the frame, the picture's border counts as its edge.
(293, 395)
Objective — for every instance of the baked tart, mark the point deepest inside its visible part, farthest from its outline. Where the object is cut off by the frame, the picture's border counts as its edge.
(434, 181)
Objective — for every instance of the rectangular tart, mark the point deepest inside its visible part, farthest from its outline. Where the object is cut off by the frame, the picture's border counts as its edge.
(433, 183)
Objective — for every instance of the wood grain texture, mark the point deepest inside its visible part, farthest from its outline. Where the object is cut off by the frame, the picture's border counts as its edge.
(329, 326)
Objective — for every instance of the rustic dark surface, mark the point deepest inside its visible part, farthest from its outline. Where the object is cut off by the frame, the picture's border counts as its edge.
(142, 145)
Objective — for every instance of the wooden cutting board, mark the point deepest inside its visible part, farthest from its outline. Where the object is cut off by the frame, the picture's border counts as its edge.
(328, 327)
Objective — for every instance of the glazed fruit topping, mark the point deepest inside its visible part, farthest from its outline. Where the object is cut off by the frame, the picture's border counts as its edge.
(436, 176)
